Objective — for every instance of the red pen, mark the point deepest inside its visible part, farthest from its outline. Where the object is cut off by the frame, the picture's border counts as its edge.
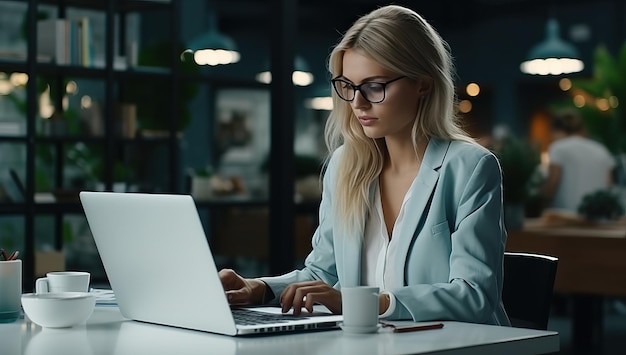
(412, 327)
(14, 255)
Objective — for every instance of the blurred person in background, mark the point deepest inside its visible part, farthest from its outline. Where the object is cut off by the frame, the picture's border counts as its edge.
(578, 165)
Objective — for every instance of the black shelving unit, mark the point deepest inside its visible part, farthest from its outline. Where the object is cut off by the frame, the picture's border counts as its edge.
(109, 142)
(280, 203)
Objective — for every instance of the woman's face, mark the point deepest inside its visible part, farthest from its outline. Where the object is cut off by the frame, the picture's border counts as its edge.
(394, 116)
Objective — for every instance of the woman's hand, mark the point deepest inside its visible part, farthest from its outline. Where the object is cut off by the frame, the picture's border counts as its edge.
(306, 294)
(240, 291)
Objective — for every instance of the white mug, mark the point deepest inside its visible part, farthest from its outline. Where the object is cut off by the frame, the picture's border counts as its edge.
(360, 309)
(63, 281)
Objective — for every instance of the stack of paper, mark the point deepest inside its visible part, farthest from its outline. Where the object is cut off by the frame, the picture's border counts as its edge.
(104, 297)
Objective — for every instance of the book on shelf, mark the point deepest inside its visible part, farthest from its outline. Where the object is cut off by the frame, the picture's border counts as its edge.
(52, 39)
(86, 49)
(68, 42)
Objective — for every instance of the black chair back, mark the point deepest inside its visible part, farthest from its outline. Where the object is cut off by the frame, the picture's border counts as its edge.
(527, 289)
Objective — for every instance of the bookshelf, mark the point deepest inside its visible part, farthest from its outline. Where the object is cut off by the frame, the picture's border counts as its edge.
(152, 159)
(90, 140)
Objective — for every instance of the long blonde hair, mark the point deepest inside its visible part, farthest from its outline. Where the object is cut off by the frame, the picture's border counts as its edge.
(401, 41)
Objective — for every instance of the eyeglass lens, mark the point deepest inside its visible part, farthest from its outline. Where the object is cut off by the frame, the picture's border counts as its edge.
(372, 92)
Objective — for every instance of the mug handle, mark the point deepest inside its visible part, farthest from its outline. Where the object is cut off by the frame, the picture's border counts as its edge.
(41, 285)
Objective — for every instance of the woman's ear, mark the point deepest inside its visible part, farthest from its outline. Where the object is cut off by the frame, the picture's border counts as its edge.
(424, 86)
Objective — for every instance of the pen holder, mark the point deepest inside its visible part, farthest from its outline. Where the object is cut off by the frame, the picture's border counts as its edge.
(10, 290)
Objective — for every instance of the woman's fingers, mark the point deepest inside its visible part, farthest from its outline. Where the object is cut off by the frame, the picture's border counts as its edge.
(230, 279)
(238, 297)
(288, 298)
(300, 296)
(330, 298)
(312, 298)
(306, 294)
(241, 291)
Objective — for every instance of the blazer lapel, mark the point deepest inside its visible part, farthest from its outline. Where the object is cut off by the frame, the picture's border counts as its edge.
(349, 248)
(423, 188)
(350, 270)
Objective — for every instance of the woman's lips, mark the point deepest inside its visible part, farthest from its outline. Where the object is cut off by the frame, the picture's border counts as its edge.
(367, 120)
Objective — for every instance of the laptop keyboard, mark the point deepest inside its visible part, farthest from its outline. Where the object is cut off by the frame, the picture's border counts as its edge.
(249, 317)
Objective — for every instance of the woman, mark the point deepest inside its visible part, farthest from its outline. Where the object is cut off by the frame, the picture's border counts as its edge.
(410, 203)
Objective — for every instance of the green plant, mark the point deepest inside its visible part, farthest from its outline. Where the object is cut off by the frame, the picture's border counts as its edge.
(604, 97)
(8, 234)
(519, 161)
(88, 159)
(67, 232)
(153, 97)
(122, 172)
(206, 171)
(601, 204)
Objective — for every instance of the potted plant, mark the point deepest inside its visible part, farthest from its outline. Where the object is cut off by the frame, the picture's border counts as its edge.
(601, 205)
(519, 162)
(201, 186)
(152, 104)
(307, 170)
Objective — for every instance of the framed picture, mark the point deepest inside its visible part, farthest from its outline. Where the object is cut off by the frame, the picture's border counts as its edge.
(242, 135)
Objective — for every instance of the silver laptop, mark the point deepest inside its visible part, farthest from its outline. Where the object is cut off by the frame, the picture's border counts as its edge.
(160, 267)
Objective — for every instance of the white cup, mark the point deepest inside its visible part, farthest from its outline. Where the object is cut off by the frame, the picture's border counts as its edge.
(63, 281)
(360, 309)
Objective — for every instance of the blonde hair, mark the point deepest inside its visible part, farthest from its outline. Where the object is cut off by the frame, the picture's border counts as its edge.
(401, 41)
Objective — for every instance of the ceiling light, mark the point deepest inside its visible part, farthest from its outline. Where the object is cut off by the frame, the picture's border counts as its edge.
(320, 99)
(212, 47)
(472, 89)
(301, 75)
(565, 84)
(552, 56)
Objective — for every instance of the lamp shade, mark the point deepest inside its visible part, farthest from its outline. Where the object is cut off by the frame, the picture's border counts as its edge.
(320, 98)
(301, 75)
(212, 47)
(552, 56)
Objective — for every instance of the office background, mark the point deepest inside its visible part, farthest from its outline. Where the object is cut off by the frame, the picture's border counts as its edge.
(225, 118)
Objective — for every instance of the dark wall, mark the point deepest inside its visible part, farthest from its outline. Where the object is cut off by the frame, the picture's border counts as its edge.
(487, 50)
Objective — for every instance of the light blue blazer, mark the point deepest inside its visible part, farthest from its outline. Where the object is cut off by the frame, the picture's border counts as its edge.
(451, 249)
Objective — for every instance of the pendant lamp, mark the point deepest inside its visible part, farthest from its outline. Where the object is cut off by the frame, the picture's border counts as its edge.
(301, 75)
(552, 56)
(320, 98)
(212, 47)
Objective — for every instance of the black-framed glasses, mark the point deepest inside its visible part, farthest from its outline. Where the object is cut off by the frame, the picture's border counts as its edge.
(372, 91)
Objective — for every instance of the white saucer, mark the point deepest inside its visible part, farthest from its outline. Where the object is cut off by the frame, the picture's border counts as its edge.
(360, 330)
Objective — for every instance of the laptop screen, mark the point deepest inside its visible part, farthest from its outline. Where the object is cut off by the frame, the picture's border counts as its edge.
(159, 263)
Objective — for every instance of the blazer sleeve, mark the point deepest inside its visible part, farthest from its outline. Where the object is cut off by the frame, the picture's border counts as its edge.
(473, 290)
(320, 263)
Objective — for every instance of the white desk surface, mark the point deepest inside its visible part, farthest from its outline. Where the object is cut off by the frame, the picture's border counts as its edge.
(107, 332)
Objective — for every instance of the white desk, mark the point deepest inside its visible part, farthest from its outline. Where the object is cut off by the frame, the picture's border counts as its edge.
(107, 332)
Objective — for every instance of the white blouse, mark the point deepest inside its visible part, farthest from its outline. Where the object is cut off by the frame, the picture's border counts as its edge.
(378, 249)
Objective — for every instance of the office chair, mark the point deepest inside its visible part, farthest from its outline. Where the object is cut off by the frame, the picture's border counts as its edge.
(527, 289)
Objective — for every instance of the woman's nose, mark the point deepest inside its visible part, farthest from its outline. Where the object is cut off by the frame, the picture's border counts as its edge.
(359, 100)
